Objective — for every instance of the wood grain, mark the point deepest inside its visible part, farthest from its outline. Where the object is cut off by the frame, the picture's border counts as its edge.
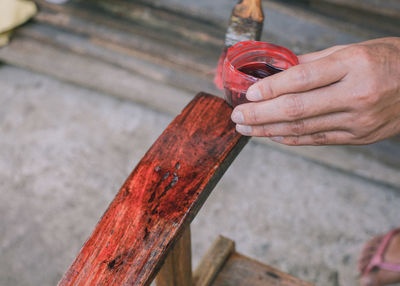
(213, 261)
(177, 267)
(240, 270)
(160, 197)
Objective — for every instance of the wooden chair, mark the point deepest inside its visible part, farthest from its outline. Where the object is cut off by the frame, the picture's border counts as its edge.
(146, 227)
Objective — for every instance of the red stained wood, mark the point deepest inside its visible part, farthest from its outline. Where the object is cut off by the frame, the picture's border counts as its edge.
(160, 197)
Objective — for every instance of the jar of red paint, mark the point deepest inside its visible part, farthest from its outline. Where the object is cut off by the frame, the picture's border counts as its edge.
(248, 62)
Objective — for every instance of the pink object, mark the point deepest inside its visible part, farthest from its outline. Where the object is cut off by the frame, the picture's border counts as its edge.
(218, 75)
(377, 259)
(247, 62)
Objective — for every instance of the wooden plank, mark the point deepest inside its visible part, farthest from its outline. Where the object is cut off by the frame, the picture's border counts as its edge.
(160, 197)
(183, 42)
(389, 8)
(94, 74)
(177, 267)
(240, 270)
(213, 261)
(369, 20)
(118, 56)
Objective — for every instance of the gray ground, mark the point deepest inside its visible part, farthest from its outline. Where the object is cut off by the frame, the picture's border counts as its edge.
(65, 151)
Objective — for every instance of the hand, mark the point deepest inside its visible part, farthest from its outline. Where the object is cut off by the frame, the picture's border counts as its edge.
(342, 95)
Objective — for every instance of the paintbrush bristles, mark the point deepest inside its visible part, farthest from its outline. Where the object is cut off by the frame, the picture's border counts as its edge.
(249, 9)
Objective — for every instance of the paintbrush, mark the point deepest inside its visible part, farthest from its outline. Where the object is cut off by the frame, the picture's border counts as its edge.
(245, 24)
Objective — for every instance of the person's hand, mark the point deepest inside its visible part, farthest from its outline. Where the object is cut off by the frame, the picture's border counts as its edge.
(342, 95)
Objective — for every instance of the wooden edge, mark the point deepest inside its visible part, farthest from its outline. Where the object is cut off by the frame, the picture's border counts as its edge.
(274, 272)
(213, 261)
(177, 267)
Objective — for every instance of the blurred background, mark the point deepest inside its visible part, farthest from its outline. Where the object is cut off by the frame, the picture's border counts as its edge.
(87, 86)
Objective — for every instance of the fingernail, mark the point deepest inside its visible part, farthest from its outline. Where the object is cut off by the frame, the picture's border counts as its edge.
(253, 93)
(244, 129)
(276, 139)
(237, 116)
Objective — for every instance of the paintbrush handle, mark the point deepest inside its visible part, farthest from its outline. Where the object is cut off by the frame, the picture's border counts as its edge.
(249, 9)
(246, 23)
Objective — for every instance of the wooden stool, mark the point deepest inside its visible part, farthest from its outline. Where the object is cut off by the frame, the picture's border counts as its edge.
(221, 266)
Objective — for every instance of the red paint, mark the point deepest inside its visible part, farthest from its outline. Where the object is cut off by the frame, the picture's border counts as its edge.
(160, 197)
(247, 62)
(256, 70)
(259, 69)
(218, 74)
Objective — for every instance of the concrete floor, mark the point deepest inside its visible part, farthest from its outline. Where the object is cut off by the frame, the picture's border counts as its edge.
(65, 151)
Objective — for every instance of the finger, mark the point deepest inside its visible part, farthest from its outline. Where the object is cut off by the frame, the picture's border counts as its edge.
(299, 78)
(319, 54)
(321, 138)
(291, 107)
(388, 40)
(330, 122)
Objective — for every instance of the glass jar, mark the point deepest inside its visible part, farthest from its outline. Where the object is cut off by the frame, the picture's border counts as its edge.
(248, 62)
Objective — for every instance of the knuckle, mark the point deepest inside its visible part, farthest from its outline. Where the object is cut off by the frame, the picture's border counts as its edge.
(297, 127)
(372, 138)
(353, 139)
(266, 131)
(319, 138)
(293, 106)
(370, 94)
(266, 89)
(254, 116)
(363, 127)
(366, 124)
(366, 139)
(302, 76)
(372, 97)
(349, 138)
(359, 52)
(362, 56)
(292, 141)
(357, 133)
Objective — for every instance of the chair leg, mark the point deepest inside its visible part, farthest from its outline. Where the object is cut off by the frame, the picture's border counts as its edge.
(177, 267)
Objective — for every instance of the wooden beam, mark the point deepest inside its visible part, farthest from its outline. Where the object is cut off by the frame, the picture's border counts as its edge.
(241, 270)
(213, 261)
(160, 197)
(177, 267)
